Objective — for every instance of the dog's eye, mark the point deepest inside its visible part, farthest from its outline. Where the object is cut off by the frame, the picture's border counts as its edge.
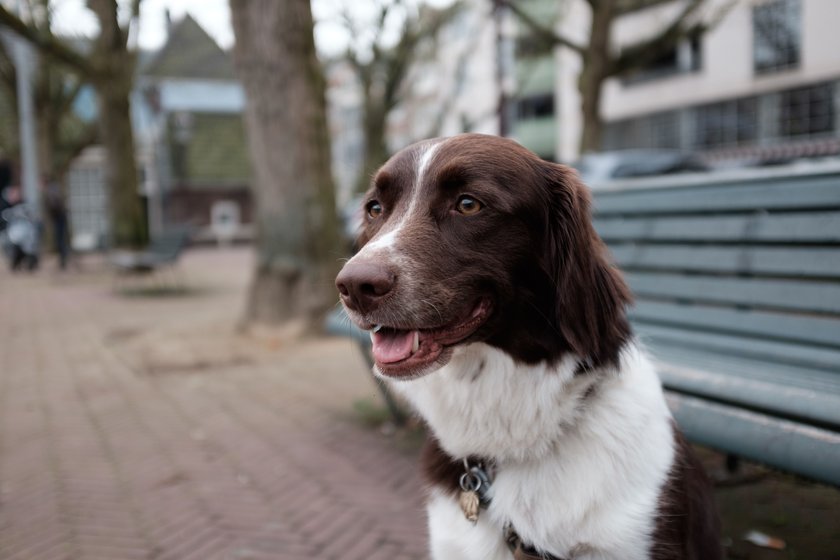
(467, 205)
(374, 209)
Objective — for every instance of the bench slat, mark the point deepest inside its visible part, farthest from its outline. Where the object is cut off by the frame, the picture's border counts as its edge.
(790, 446)
(769, 351)
(802, 227)
(786, 193)
(742, 259)
(788, 400)
(748, 368)
(807, 330)
(802, 295)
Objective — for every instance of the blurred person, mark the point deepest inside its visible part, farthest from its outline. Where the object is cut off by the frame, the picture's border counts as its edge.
(57, 213)
(8, 196)
(20, 236)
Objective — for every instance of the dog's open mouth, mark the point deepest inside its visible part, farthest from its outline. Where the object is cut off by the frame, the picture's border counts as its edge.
(409, 352)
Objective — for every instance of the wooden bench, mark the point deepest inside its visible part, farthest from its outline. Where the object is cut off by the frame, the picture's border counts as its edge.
(737, 285)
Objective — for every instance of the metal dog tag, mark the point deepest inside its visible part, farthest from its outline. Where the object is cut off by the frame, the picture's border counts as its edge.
(470, 503)
(472, 483)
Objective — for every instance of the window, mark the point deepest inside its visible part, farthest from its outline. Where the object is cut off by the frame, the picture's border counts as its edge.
(683, 58)
(656, 131)
(777, 35)
(807, 111)
(729, 123)
(532, 46)
(771, 118)
(629, 6)
(535, 106)
(664, 130)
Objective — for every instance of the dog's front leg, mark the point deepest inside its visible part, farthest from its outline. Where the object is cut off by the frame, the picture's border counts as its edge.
(454, 538)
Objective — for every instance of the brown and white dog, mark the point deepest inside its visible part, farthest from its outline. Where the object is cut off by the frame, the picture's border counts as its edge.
(494, 310)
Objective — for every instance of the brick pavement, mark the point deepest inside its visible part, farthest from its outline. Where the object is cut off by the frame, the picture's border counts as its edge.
(121, 439)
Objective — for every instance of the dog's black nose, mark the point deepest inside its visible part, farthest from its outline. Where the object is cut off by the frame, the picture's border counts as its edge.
(363, 284)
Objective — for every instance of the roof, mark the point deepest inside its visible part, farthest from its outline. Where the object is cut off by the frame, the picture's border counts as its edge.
(190, 52)
(201, 96)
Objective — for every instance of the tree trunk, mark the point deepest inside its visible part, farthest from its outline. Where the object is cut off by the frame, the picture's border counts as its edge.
(376, 149)
(128, 222)
(590, 92)
(595, 70)
(113, 82)
(45, 137)
(297, 233)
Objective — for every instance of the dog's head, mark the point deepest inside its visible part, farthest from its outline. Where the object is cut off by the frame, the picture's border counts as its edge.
(474, 238)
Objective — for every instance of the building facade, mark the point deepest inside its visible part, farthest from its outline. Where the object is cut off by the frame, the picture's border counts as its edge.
(534, 96)
(191, 137)
(763, 84)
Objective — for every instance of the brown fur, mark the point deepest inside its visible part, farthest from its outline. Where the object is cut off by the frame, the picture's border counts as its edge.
(687, 525)
(531, 249)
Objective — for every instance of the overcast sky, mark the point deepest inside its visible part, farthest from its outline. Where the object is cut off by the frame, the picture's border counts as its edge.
(72, 18)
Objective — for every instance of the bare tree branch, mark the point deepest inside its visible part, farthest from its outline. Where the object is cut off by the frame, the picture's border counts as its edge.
(132, 23)
(353, 54)
(7, 72)
(110, 33)
(644, 52)
(379, 28)
(544, 33)
(449, 102)
(66, 98)
(48, 44)
(87, 137)
(382, 75)
(426, 28)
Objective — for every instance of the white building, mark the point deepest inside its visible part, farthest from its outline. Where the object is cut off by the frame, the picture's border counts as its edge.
(344, 115)
(764, 83)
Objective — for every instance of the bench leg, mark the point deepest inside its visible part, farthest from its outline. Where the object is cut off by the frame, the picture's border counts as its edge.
(733, 463)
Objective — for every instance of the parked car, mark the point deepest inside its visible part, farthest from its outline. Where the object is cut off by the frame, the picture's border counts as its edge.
(602, 167)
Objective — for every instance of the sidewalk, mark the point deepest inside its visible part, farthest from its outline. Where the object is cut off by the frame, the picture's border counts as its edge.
(144, 427)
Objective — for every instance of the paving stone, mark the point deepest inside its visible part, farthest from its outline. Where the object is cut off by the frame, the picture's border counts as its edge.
(108, 452)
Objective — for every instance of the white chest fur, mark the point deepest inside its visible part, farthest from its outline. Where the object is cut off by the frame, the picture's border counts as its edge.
(578, 472)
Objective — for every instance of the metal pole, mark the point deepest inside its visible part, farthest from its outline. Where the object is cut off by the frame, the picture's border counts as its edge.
(24, 62)
(504, 64)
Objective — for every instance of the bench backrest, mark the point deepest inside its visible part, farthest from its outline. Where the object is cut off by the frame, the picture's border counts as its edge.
(747, 268)
(168, 245)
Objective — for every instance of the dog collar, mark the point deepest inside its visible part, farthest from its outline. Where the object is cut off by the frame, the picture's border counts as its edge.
(475, 483)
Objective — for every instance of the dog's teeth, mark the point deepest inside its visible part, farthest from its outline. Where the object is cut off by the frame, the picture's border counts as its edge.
(371, 333)
(376, 329)
(416, 345)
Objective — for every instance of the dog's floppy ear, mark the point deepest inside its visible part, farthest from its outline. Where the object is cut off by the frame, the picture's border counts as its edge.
(591, 295)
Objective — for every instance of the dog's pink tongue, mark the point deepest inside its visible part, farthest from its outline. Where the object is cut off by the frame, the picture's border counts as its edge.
(391, 346)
